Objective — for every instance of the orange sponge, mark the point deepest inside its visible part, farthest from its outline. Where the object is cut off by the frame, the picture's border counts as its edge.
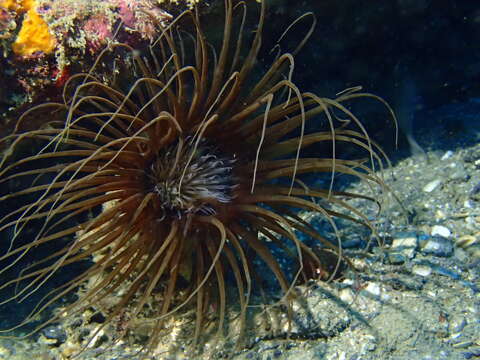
(34, 34)
(19, 6)
(11, 5)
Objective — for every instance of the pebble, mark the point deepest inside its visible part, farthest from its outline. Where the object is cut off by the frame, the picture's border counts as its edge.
(457, 324)
(447, 272)
(375, 290)
(438, 246)
(70, 350)
(346, 296)
(370, 343)
(432, 185)
(439, 214)
(422, 270)
(459, 174)
(463, 344)
(396, 258)
(448, 154)
(460, 254)
(441, 230)
(353, 243)
(405, 243)
(56, 333)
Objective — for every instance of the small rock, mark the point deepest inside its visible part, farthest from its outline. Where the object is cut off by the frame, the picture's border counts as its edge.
(353, 243)
(441, 230)
(44, 341)
(432, 185)
(422, 270)
(396, 258)
(475, 191)
(69, 350)
(56, 333)
(459, 174)
(457, 324)
(462, 344)
(460, 254)
(375, 290)
(447, 272)
(346, 296)
(440, 215)
(370, 343)
(438, 246)
(405, 243)
(97, 318)
(447, 155)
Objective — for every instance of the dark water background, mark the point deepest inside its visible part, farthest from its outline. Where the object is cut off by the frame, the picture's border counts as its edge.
(422, 56)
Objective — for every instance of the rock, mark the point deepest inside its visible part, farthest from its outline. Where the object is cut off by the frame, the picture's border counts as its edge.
(447, 272)
(56, 333)
(459, 173)
(460, 254)
(347, 296)
(373, 289)
(354, 242)
(422, 270)
(376, 291)
(396, 258)
(441, 230)
(405, 243)
(432, 185)
(448, 154)
(457, 323)
(438, 246)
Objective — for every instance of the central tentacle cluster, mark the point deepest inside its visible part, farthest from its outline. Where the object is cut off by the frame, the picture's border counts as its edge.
(191, 180)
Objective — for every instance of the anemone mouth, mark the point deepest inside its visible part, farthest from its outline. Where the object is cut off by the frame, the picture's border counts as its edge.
(191, 180)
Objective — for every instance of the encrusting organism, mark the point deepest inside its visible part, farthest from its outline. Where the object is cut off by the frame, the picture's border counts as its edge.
(179, 175)
(34, 35)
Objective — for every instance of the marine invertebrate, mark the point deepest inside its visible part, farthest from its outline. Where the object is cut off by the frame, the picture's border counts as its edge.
(34, 34)
(198, 167)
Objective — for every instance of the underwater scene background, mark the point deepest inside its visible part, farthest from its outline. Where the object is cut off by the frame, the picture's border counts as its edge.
(369, 251)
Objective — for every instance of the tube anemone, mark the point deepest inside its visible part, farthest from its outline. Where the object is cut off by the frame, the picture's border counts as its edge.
(196, 164)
